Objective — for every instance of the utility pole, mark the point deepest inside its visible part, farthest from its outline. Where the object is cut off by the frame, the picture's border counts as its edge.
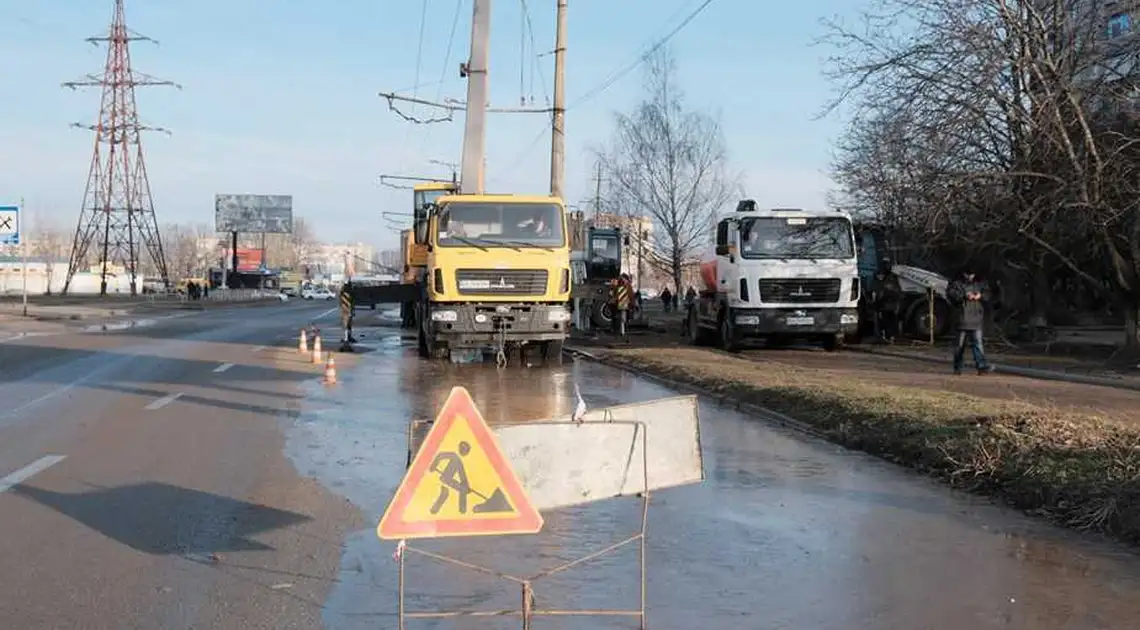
(558, 131)
(475, 128)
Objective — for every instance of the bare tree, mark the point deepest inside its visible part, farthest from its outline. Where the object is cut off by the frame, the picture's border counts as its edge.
(288, 251)
(180, 244)
(992, 128)
(668, 163)
(51, 243)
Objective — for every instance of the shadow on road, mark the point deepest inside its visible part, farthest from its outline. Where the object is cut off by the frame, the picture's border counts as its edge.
(162, 519)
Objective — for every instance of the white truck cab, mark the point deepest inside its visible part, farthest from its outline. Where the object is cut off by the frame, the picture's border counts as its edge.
(776, 273)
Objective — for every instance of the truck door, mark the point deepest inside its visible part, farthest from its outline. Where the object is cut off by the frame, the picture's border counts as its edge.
(726, 245)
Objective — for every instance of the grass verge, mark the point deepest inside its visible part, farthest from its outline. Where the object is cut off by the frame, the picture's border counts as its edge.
(1076, 470)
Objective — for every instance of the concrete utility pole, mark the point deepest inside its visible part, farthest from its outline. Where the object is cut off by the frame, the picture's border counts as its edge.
(558, 131)
(475, 128)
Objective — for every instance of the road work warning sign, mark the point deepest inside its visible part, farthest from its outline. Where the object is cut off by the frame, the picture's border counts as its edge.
(460, 483)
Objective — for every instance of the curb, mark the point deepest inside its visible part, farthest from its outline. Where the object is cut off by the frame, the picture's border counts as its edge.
(1024, 372)
(723, 400)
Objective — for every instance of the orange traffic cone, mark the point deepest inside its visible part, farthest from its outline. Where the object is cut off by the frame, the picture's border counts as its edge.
(303, 346)
(317, 348)
(330, 371)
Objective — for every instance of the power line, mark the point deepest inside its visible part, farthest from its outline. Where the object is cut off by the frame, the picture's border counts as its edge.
(446, 63)
(419, 60)
(534, 49)
(618, 75)
(420, 44)
(642, 58)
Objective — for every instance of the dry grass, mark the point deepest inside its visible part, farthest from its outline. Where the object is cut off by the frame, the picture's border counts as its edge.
(1078, 470)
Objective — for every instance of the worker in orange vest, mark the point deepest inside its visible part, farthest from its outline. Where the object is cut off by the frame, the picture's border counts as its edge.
(621, 296)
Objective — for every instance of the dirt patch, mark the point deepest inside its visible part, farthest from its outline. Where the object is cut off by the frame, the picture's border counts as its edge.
(1079, 470)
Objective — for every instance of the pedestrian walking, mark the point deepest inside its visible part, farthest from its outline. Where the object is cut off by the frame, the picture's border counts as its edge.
(887, 298)
(666, 298)
(969, 296)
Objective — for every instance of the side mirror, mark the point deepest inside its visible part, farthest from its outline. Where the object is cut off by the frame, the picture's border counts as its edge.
(722, 250)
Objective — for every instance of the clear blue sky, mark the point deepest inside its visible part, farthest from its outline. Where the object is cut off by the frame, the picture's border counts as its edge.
(279, 97)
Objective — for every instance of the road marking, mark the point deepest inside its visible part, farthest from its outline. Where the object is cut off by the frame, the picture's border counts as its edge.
(29, 471)
(223, 367)
(330, 311)
(260, 348)
(164, 401)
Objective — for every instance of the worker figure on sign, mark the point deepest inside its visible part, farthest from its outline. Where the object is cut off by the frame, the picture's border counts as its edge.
(453, 476)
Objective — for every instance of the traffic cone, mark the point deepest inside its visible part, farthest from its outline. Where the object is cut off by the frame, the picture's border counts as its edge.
(330, 370)
(303, 346)
(317, 348)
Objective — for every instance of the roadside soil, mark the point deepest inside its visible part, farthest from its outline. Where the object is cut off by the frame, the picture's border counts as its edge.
(1068, 452)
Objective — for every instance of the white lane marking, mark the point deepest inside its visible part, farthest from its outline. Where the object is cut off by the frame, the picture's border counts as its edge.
(29, 471)
(48, 396)
(260, 348)
(164, 401)
(223, 367)
(328, 312)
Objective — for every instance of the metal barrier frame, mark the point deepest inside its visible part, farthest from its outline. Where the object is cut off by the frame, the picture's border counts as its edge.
(528, 610)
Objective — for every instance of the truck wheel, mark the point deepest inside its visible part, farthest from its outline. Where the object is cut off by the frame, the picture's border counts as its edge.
(602, 315)
(728, 340)
(552, 352)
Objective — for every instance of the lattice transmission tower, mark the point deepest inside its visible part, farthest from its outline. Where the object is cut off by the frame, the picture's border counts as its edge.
(117, 219)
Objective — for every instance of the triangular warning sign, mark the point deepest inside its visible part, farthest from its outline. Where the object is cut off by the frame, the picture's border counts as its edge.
(460, 483)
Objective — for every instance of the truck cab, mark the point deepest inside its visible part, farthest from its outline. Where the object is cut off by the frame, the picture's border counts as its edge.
(498, 274)
(778, 273)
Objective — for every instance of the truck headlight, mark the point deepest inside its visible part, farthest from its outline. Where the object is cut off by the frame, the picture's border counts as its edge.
(748, 320)
(845, 319)
(558, 315)
(444, 316)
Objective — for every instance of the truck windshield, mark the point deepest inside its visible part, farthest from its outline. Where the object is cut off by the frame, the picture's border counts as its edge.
(605, 258)
(428, 196)
(512, 224)
(808, 237)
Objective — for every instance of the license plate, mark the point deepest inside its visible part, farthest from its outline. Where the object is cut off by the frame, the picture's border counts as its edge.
(800, 321)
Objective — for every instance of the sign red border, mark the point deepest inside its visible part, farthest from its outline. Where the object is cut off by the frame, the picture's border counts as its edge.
(393, 526)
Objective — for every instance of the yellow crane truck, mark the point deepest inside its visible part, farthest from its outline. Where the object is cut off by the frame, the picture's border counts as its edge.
(497, 276)
(484, 272)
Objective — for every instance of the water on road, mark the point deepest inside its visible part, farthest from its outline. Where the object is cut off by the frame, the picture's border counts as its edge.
(787, 532)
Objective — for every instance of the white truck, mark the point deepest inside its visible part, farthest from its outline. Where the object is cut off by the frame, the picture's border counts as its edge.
(778, 273)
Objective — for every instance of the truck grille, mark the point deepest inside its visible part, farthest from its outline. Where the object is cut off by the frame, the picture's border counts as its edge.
(794, 291)
(501, 281)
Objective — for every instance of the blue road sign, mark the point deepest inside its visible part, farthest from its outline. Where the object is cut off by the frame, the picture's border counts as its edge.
(9, 225)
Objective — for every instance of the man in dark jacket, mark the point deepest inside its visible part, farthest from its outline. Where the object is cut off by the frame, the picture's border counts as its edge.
(969, 296)
(887, 298)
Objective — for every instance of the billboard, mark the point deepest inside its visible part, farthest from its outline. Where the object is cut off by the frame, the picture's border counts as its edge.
(248, 258)
(267, 214)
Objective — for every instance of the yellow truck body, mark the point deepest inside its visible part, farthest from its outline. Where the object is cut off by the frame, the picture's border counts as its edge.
(497, 273)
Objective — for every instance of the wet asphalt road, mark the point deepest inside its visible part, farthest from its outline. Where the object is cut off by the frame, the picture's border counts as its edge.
(787, 532)
(225, 507)
(143, 484)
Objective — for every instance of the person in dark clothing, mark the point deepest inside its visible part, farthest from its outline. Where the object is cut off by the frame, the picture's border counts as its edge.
(969, 295)
(887, 298)
(666, 298)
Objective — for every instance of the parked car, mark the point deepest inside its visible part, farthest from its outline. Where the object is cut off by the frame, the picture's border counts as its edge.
(317, 293)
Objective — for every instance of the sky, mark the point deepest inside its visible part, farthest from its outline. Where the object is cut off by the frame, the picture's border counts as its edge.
(281, 97)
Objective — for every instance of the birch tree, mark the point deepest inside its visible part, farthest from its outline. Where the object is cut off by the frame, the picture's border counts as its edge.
(669, 163)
